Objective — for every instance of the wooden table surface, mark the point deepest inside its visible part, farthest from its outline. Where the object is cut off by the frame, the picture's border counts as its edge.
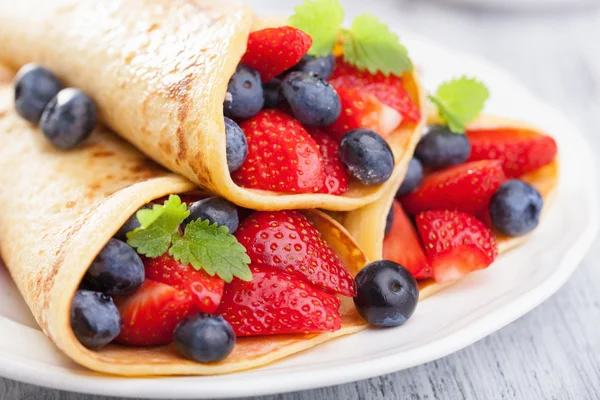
(554, 351)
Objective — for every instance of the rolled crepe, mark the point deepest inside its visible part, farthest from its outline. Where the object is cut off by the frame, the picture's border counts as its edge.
(59, 209)
(158, 72)
(367, 225)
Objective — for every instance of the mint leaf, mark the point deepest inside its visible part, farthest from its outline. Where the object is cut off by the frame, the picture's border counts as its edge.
(459, 101)
(158, 225)
(321, 19)
(370, 45)
(212, 249)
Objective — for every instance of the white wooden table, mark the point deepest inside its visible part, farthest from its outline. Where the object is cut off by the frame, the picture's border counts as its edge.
(554, 351)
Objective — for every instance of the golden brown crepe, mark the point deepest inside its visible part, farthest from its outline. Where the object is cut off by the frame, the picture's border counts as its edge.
(367, 225)
(59, 208)
(158, 71)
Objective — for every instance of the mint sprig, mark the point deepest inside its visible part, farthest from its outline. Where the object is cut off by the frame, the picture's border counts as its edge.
(368, 44)
(459, 101)
(206, 247)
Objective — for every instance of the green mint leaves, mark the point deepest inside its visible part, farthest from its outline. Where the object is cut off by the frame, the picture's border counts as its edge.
(368, 44)
(459, 101)
(204, 246)
(321, 19)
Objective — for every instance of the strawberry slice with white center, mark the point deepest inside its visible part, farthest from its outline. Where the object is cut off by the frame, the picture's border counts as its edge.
(275, 302)
(455, 243)
(151, 314)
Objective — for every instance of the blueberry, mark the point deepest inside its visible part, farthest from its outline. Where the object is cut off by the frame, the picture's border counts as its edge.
(95, 319)
(237, 145)
(516, 207)
(131, 224)
(413, 178)
(244, 98)
(204, 338)
(319, 66)
(440, 148)
(35, 86)
(367, 156)
(272, 93)
(387, 294)
(214, 209)
(69, 118)
(389, 220)
(117, 270)
(313, 101)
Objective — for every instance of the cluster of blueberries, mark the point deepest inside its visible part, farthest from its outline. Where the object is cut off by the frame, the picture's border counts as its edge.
(313, 102)
(515, 208)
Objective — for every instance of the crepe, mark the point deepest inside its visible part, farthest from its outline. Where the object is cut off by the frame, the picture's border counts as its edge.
(367, 225)
(158, 72)
(59, 208)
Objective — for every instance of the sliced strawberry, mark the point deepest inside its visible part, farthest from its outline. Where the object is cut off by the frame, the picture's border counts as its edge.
(278, 303)
(466, 187)
(273, 50)
(520, 150)
(402, 245)
(205, 290)
(336, 175)
(456, 243)
(286, 240)
(281, 155)
(151, 314)
(388, 89)
(361, 109)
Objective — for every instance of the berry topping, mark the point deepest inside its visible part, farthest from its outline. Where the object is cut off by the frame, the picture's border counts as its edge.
(440, 148)
(273, 95)
(286, 240)
(204, 338)
(204, 290)
(117, 270)
(361, 109)
(413, 178)
(95, 319)
(520, 150)
(69, 118)
(237, 145)
(151, 314)
(387, 294)
(215, 210)
(35, 86)
(244, 98)
(336, 176)
(389, 220)
(274, 50)
(403, 246)
(467, 187)
(318, 66)
(131, 224)
(367, 156)
(516, 207)
(313, 101)
(278, 303)
(282, 156)
(456, 243)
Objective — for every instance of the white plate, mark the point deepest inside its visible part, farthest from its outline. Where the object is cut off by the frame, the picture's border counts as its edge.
(455, 318)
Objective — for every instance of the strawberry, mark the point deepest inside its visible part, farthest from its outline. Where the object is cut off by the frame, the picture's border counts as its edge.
(205, 290)
(336, 176)
(271, 51)
(281, 155)
(402, 245)
(278, 303)
(151, 314)
(520, 150)
(388, 89)
(456, 243)
(466, 187)
(361, 109)
(286, 240)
